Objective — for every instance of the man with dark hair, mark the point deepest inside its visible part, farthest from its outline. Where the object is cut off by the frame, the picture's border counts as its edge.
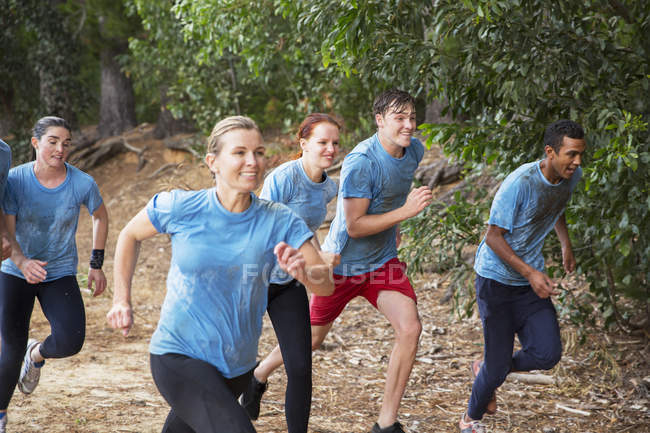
(512, 289)
(373, 199)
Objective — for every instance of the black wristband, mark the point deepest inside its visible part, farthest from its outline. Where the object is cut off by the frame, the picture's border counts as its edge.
(96, 259)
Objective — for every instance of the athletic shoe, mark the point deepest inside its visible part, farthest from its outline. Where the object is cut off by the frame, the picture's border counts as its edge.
(491, 407)
(252, 397)
(395, 428)
(470, 427)
(30, 373)
(3, 424)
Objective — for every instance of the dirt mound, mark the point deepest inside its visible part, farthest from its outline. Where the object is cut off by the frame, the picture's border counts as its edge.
(598, 387)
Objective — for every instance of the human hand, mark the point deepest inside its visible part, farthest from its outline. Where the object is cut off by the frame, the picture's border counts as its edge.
(417, 200)
(568, 260)
(33, 270)
(290, 260)
(121, 317)
(542, 284)
(97, 276)
(6, 248)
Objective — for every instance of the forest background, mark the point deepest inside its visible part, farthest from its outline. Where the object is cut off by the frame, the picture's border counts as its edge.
(488, 76)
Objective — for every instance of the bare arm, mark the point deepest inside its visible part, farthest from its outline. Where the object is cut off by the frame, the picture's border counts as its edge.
(360, 223)
(4, 234)
(100, 233)
(568, 260)
(332, 259)
(306, 265)
(33, 270)
(126, 255)
(540, 282)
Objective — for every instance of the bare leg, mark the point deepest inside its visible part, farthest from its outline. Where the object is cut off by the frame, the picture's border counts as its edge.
(401, 311)
(268, 365)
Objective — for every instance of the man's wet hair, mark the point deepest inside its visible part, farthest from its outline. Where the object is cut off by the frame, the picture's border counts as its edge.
(556, 131)
(395, 99)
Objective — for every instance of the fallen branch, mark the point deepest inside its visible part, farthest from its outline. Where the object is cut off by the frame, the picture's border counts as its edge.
(103, 150)
(539, 379)
(161, 169)
(569, 409)
(137, 151)
(184, 148)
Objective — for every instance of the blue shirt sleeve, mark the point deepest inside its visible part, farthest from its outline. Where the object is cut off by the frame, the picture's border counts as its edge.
(10, 201)
(332, 189)
(276, 188)
(292, 229)
(504, 205)
(418, 147)
(298, 233)
(160, 211)
(93, 199)
(357, 177)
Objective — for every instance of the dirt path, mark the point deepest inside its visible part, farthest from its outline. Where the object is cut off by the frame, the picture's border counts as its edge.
(108, 386)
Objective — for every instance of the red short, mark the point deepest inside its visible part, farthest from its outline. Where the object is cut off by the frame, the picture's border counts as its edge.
(390, 276)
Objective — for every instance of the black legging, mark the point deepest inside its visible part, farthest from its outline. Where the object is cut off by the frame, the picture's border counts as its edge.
(63, 307)
(288, 308)
(201, 399)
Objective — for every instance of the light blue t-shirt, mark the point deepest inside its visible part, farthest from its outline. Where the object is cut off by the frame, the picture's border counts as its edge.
(370, 172)
(217, 283)
(527, 205)
(46, 218)
(5, 165)
(289, 184)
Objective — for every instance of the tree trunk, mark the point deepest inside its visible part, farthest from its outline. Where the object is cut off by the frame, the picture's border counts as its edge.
(55, 98)
(167, 125)
(117, 104)
(434, 112)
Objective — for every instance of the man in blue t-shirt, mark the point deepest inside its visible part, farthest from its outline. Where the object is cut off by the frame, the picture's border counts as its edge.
(512, 289)
(373, 199)
(5, 164)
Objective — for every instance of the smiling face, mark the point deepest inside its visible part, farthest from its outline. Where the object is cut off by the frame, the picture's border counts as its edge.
(53, 148)
(395, 128)
(565, 162)
(322, 146)
(240, 162)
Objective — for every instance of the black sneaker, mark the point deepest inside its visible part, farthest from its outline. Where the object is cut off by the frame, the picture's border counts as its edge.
(252, 396)
(395, 428)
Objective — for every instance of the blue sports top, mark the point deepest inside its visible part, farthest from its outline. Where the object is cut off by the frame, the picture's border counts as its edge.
(46, 218)
(217, 283)
(370, 172)
(289, 184)
(527, 205)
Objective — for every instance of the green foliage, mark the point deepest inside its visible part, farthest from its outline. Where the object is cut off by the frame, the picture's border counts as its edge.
(39, 69)
(217, 58)
(445, 234)
(506, 68)
(510, 68)
(50, 66)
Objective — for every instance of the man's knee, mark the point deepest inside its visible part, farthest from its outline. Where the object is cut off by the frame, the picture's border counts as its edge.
(409, 331)
(317, 339)
(549, 358)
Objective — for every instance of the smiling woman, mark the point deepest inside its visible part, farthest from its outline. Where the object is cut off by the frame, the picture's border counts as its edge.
(42, 205)
(204, 349)
(304, 186)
